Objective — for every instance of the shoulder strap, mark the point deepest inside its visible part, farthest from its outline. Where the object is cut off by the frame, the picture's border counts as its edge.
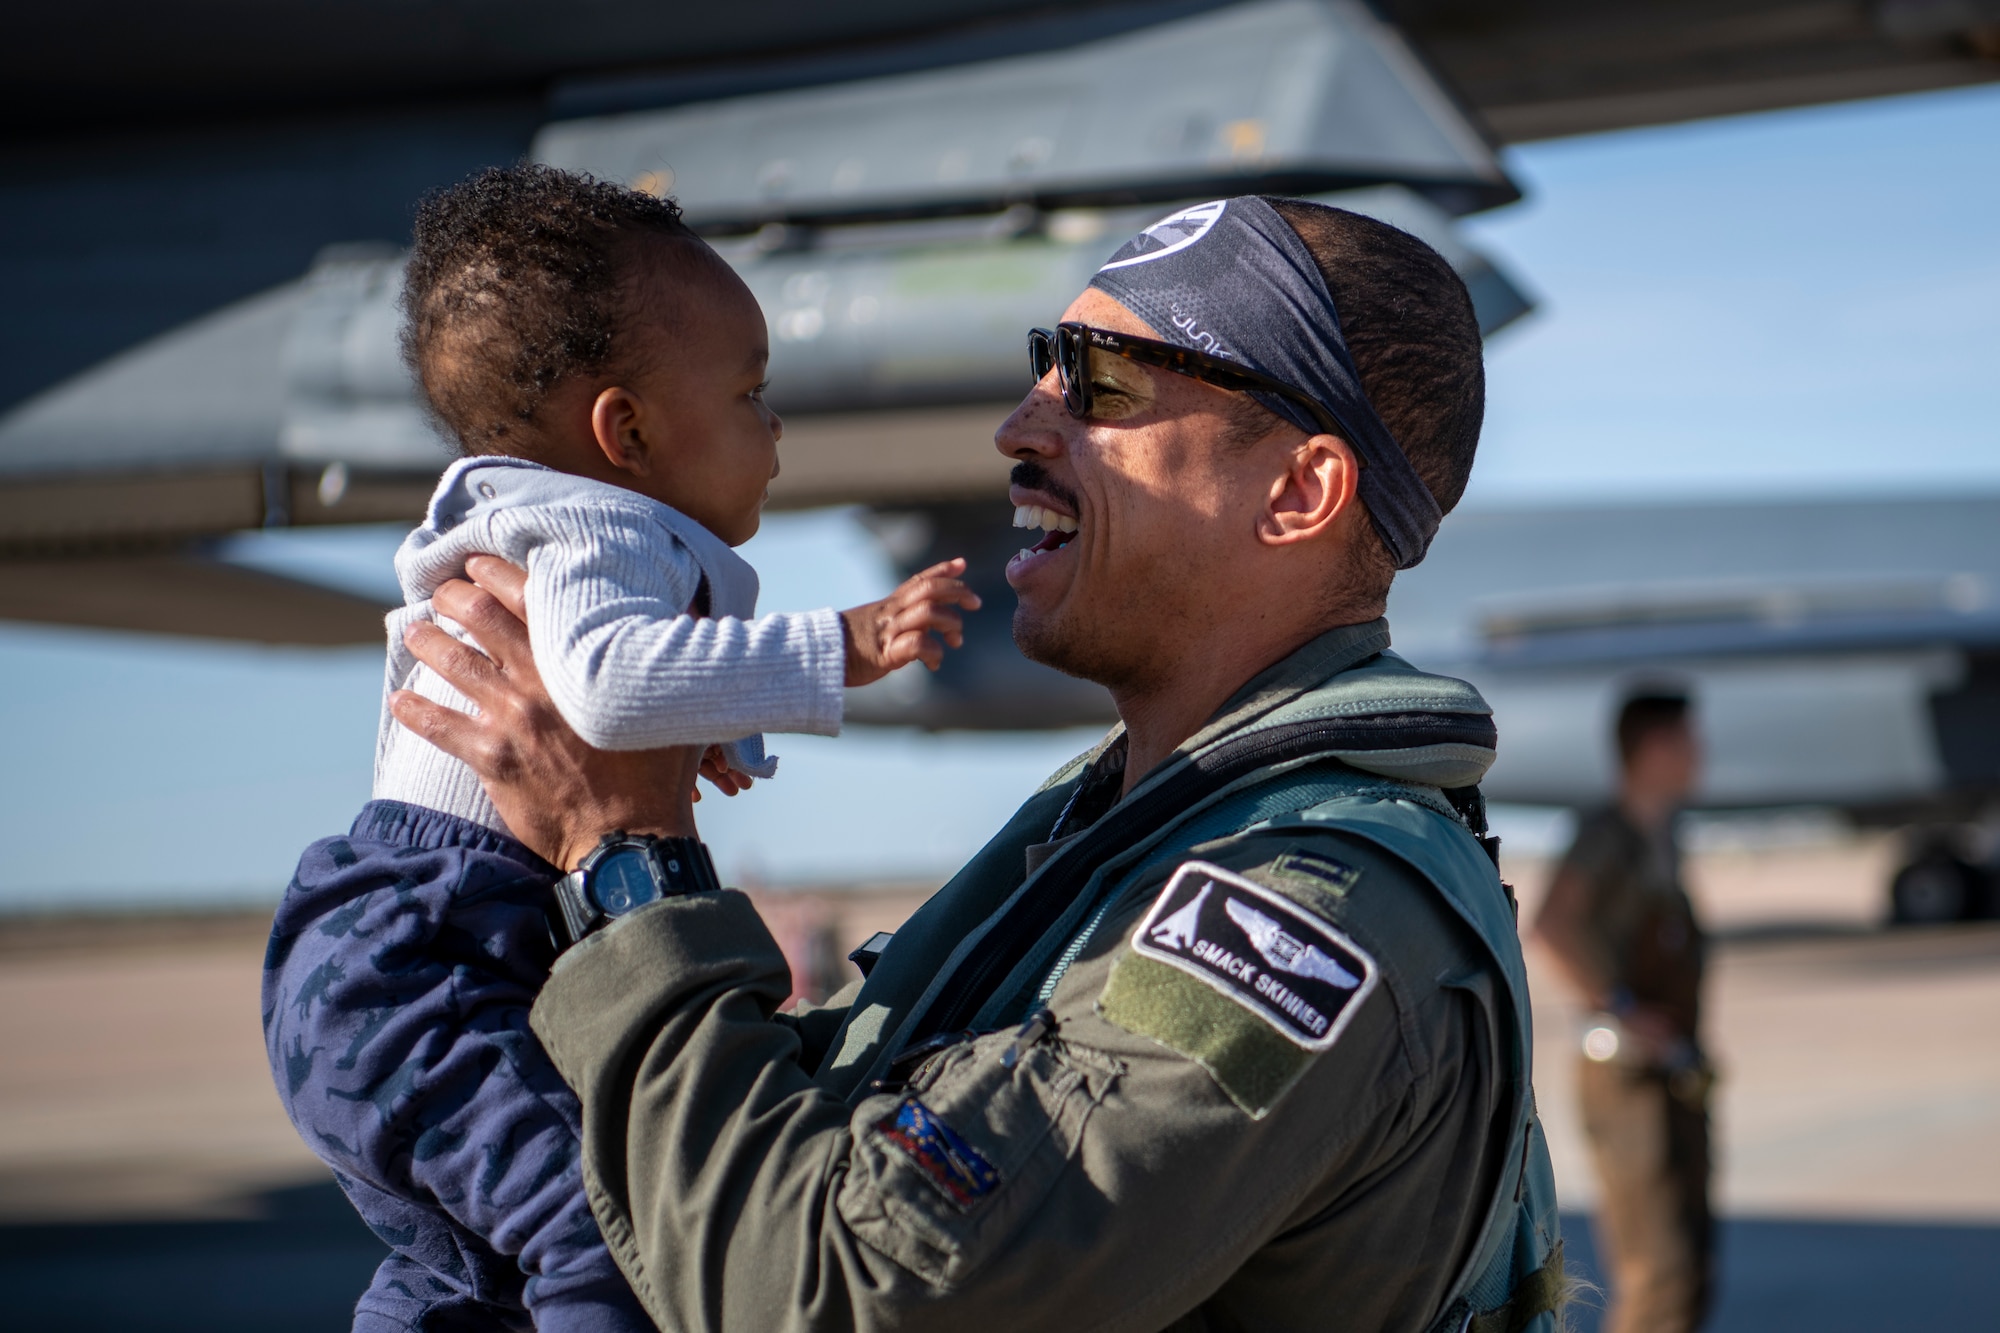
(1036, 910)
(1516, 1255)
(1512, 1281)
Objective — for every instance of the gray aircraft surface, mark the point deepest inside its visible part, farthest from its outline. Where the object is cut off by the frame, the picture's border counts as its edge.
(902, 232)
(202, 332)
(166, 158)
(1844, 653)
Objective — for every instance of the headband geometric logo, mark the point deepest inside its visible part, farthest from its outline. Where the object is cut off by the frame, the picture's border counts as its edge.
(1171, 235)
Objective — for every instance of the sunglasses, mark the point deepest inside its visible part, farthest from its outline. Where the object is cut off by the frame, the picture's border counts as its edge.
(1070, 348)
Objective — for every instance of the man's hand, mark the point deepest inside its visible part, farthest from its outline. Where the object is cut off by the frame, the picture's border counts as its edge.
(558, 795)
(915, 623)
(1658, 1040)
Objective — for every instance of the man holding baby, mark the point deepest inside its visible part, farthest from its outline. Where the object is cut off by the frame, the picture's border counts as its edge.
(1227, 1027)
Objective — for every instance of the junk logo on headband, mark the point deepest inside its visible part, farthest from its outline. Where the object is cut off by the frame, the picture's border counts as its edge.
(1169, 235)
(1231, 278)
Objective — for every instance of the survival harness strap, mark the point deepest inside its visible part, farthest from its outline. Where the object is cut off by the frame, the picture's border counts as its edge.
(1129, 822)
(1540, 1292)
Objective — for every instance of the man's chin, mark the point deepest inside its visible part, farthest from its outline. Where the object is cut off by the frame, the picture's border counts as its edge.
(1053, 642)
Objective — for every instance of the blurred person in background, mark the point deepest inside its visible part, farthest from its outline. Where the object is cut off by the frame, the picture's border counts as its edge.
(1620, 924)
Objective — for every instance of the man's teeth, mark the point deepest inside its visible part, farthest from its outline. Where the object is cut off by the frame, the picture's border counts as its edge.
(1035, 516)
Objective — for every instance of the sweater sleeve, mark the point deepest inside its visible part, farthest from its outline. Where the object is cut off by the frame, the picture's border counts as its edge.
(629, 669)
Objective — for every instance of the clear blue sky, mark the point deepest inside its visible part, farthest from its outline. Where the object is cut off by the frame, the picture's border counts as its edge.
(1798, 302)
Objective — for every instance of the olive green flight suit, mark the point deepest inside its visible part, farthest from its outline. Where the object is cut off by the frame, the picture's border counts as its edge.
(1118, 1142)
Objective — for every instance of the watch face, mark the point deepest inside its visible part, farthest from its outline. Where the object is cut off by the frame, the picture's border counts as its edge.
(623, 880)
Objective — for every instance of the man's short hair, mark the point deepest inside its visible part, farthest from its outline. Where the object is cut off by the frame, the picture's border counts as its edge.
(1410, 326)
(1647, 713)
(516, 282)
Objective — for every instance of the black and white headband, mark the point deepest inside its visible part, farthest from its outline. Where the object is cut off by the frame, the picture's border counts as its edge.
(1232, 279)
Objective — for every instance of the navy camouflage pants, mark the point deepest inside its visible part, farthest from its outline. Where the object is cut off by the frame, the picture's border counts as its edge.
(401, 968)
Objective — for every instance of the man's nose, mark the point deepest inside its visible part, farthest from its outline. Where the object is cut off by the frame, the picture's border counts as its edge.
(1039, 427)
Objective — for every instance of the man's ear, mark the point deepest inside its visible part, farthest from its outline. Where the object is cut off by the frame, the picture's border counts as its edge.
(1315, 491)
(618, 421)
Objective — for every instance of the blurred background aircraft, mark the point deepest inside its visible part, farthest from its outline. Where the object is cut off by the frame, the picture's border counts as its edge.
(202, 332)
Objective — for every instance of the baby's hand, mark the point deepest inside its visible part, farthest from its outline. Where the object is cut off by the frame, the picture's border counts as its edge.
(915, 623)
(715, 767)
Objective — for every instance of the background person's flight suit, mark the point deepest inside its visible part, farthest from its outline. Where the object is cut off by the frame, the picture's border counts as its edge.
(1115, 1141)
(1647, 1120)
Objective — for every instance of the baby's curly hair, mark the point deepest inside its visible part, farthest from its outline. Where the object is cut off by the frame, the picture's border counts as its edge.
(515, 283)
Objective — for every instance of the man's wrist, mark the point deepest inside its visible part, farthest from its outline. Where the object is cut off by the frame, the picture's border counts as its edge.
(574, 854)
(580, 836)
(624, 873)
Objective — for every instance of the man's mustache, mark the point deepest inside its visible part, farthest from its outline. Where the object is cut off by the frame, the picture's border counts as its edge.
(1032, 476)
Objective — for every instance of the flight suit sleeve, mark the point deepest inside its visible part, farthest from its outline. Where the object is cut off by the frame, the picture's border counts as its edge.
(1068, 1172)
(818, 1024)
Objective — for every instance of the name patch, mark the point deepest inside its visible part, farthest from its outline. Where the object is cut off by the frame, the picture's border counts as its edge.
(1260, 949)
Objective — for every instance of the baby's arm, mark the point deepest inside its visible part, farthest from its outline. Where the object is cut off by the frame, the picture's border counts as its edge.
(630, 669)
(912, 624)
(915, 623)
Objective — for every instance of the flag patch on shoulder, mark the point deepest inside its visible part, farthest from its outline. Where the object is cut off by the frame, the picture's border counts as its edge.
(952, 1164)
(1260, 949)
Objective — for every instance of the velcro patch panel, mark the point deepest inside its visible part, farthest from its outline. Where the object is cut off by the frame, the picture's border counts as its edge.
(1259, 948)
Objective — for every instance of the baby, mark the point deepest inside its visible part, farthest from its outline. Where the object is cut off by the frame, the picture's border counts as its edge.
(603, 372)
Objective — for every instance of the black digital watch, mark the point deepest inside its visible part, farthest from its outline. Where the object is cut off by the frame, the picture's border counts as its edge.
(623, 873)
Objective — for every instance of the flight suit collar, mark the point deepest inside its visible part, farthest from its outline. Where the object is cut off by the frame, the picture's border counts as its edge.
(1284, 681)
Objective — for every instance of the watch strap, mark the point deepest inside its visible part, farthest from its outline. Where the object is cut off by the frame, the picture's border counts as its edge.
(578, 917)
(685, 866)
(681, 866)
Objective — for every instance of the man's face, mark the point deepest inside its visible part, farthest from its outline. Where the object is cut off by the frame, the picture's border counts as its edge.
(701, 374)
(1666, 763)
(1164, 513)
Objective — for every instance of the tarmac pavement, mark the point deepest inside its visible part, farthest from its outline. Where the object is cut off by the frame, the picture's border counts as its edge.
(150, 1182)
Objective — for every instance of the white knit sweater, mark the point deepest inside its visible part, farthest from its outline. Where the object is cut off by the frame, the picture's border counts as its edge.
(612, 578)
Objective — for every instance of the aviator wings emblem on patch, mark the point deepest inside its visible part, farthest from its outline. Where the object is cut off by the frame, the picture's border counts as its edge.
(1287, 952)
(1260, 949)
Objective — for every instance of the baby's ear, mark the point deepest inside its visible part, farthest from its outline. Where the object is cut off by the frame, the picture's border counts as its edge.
(615, 420)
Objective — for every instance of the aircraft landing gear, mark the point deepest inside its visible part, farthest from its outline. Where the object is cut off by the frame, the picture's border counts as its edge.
(1939, 886)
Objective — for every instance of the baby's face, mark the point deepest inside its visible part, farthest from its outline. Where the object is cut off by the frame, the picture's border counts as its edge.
(703, 375)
